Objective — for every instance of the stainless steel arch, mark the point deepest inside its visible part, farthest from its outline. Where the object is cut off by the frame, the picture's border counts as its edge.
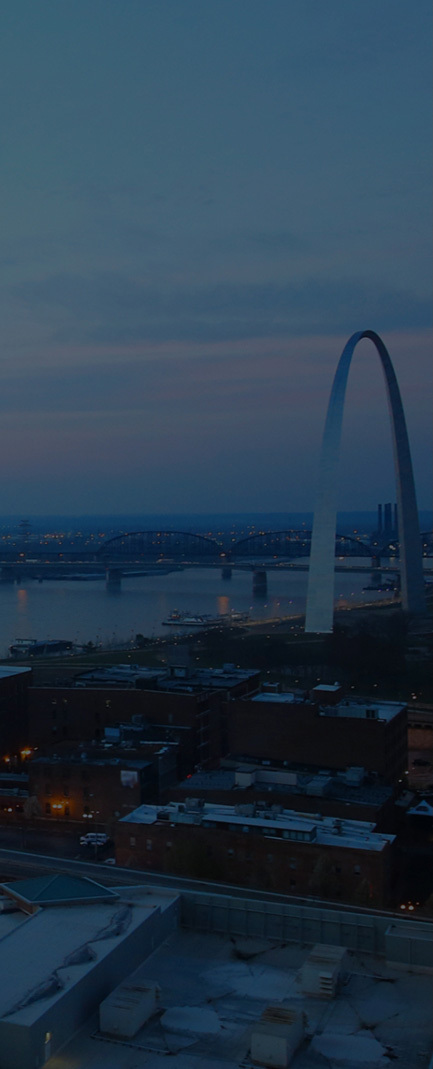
(320, 596)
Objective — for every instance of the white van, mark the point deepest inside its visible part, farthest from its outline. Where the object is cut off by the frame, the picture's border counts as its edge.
(94, 838)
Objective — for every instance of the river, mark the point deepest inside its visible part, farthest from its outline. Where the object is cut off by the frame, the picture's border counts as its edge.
(89, 611)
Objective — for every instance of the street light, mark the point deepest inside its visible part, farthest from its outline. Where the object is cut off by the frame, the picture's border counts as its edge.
(90, 816)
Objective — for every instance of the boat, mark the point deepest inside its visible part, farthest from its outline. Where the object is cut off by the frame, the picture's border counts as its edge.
(193, 619)
(21, 647)
(26, 648)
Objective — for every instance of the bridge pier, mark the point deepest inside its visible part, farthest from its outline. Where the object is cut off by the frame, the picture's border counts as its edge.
(113, 578)
(376, 571)
(226, 571)
(8, 574)
(260, 582)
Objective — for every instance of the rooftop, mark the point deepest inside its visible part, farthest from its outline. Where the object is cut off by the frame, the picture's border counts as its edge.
(300, 780)
(174, 677)
(6, 671)
(89, 757)
(49, 940)
(287, 823)
(282, 698)
(332, 688)
(228, 983)
(364, 709)
(349, 707)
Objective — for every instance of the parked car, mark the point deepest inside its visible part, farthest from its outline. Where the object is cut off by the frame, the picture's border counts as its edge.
(94, 838)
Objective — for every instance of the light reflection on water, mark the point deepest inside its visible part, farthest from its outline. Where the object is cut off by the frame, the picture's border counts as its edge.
(89, 611)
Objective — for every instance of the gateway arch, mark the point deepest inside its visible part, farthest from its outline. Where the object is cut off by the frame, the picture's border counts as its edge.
(320, 595)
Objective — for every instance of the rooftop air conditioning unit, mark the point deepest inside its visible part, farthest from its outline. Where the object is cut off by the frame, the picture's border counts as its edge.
(128, 1007)
(277, 1036)
(322, 970)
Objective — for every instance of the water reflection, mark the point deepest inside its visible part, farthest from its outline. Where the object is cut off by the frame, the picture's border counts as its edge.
(92, 612)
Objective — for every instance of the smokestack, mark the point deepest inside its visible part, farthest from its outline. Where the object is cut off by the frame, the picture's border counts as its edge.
(379, 518)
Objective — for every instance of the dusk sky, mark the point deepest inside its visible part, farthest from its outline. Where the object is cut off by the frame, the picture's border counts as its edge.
(201, 200)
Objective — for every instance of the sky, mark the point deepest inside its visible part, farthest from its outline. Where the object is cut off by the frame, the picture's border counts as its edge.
(201, 201)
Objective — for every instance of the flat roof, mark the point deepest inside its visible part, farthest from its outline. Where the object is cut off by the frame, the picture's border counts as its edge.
(5, 671)
(33, 951)
(276, 699)
(364, 709)
(206, 971)
(331, 687)
(325, 830)
(171, 678)
(88, 757)
(224, 779)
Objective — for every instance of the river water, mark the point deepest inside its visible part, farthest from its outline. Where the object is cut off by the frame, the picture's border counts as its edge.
(90, 611)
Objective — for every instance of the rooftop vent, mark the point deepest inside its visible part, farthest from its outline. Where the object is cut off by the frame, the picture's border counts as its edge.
(371, 714)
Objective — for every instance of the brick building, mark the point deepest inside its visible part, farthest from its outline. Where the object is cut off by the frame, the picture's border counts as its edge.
(14, 724)
(14, 795)
(269, 849)
(281, 727)
(66, 714)
(180, 704)
(100, 784)
(349, 795)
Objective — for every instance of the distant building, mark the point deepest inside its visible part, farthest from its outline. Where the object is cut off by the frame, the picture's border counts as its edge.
(387, 523)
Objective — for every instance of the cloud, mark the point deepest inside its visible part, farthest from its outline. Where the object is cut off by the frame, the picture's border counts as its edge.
(113, 307)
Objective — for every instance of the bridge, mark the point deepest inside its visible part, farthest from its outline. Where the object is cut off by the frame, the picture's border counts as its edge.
(138, 552)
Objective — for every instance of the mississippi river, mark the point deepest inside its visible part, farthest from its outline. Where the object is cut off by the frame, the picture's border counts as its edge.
(89, 611)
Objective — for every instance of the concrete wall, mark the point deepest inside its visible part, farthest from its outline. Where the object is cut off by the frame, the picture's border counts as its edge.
(362, 932)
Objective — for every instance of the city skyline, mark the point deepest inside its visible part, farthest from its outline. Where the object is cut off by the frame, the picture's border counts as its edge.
(200, 205)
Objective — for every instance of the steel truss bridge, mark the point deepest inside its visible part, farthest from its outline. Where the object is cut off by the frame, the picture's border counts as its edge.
(132, 551)
(182, 546)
